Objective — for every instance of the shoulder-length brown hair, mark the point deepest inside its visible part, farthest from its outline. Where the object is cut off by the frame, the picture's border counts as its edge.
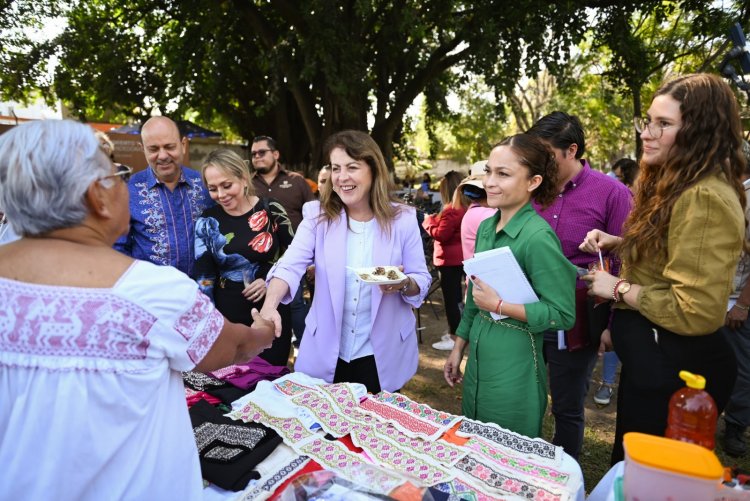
(539, 159)
(708, 142)
(360, 146)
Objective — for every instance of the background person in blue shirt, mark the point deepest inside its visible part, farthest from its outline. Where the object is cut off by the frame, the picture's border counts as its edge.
(165, 200)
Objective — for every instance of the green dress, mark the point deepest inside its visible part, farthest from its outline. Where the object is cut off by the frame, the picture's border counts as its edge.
(505, 380)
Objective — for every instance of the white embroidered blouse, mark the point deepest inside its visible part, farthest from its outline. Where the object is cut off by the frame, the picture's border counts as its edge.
(92, 404)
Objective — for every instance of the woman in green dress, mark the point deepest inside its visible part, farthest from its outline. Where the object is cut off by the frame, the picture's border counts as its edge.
(506, 380)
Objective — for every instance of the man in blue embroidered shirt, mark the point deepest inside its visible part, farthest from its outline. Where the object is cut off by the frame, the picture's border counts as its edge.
(165, 200)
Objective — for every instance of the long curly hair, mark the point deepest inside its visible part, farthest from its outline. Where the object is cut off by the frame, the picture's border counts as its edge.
(708, 142)
(360, 146)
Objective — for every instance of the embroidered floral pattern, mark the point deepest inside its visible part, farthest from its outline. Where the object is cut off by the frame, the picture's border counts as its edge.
(328, 416)
(416, 458)
(482, 471)
(503, 459)
(506, 438)
(463, 491)
(201, 344)
(291, 388)
(155, 222)
(57, 322)
(401, 419)
(422, 411)
(290, 429)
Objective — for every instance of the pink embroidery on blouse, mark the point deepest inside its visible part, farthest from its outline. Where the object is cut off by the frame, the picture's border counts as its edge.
(201, 344)
(63, 322)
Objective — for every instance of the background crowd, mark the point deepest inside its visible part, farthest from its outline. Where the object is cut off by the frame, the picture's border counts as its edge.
(117, 283)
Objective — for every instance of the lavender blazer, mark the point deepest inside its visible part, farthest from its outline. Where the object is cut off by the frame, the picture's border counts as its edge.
(393, 334)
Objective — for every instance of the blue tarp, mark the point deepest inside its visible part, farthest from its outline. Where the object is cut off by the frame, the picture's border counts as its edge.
(187, 129)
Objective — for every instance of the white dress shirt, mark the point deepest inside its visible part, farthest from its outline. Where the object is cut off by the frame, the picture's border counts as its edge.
(357, 324)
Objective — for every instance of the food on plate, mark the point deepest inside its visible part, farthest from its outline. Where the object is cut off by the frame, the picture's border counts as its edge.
(379, 271)
(392, 275)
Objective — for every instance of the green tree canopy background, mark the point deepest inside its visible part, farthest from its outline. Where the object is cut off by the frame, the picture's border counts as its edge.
(300, 70)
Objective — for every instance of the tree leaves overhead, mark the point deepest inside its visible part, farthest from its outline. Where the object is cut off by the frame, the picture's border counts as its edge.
(297, 70)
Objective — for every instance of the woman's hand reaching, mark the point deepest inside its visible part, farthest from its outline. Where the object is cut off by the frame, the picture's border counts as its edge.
(596, 240)
(255, 291)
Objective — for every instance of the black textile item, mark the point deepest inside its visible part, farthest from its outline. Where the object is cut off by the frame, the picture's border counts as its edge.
(229, 450)
(222, 390)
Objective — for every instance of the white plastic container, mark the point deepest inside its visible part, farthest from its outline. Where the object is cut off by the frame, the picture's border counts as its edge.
(662, 469)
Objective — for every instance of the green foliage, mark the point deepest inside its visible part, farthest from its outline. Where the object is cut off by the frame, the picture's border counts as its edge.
(294, 70)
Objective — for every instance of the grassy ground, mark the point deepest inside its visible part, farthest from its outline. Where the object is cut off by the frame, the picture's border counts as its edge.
(428, 386)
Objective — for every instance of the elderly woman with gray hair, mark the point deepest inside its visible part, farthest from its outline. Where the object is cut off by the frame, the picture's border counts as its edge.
(92, 342)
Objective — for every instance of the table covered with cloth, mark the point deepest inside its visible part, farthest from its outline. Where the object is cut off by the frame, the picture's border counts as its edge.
(390, 445)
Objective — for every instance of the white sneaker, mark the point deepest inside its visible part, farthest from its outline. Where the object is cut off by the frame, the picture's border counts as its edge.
(446, 336)
(444, 345)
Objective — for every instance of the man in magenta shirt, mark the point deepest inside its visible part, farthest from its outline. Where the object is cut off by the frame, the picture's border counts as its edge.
(588, 200)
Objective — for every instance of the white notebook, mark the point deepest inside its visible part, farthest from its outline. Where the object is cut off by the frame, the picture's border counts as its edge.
(499, 268)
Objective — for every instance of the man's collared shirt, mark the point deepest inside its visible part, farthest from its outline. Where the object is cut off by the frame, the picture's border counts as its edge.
(162, 222)
(591, 200)
(290, 190)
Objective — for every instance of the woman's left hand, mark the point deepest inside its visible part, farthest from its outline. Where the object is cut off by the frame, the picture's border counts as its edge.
(255, 291)
(600, 283)
(393, 288)
(485, 297)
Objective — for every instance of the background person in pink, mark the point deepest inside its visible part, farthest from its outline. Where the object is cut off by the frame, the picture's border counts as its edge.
(447, 255)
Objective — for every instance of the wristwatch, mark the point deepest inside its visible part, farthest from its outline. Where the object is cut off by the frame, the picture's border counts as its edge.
(622, 288)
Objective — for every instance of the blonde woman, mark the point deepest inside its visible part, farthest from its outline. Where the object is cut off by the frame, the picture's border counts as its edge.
(236, 243)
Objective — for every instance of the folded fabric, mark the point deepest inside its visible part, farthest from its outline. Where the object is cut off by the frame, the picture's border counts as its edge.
(229, 450)
(193, 397)
(222, 390)
(247, 375)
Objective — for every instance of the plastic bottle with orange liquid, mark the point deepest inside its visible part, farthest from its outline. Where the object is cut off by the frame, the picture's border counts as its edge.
(692, 413)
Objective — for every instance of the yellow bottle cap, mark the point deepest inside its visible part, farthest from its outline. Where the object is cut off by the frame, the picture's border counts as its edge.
(695, 381)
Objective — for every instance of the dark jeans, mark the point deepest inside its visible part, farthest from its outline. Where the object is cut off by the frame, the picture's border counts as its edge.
(361, 370)
(233, 305)
(652, 358)
(450, 285)
(568, 385)
(299, 309)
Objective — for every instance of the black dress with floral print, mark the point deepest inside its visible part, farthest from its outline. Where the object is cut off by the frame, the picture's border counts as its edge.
(226, 245)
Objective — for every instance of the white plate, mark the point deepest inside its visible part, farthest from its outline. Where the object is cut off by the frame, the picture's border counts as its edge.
(372, 278)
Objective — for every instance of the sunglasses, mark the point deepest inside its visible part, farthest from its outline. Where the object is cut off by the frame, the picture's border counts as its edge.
(259, 153)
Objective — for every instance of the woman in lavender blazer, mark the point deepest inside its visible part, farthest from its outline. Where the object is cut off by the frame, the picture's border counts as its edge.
(355, 332)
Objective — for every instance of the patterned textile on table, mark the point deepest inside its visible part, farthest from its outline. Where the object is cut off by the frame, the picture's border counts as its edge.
(228, 450)
(281, 465)
(217, 388)
(412, 418)
(535, 448)
(482, 462)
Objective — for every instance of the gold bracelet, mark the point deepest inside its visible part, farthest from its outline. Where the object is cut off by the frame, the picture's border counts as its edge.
(742, 306)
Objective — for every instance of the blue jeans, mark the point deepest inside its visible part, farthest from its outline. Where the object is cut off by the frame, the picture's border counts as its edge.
(609, 367)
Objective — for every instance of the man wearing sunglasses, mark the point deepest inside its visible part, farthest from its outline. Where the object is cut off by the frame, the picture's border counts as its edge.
(288, 188)
(165, 200)
(292, 192)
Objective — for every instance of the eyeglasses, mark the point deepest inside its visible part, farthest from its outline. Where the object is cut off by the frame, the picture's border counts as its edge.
(655, 130)
(259, 153)
(123, 171)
